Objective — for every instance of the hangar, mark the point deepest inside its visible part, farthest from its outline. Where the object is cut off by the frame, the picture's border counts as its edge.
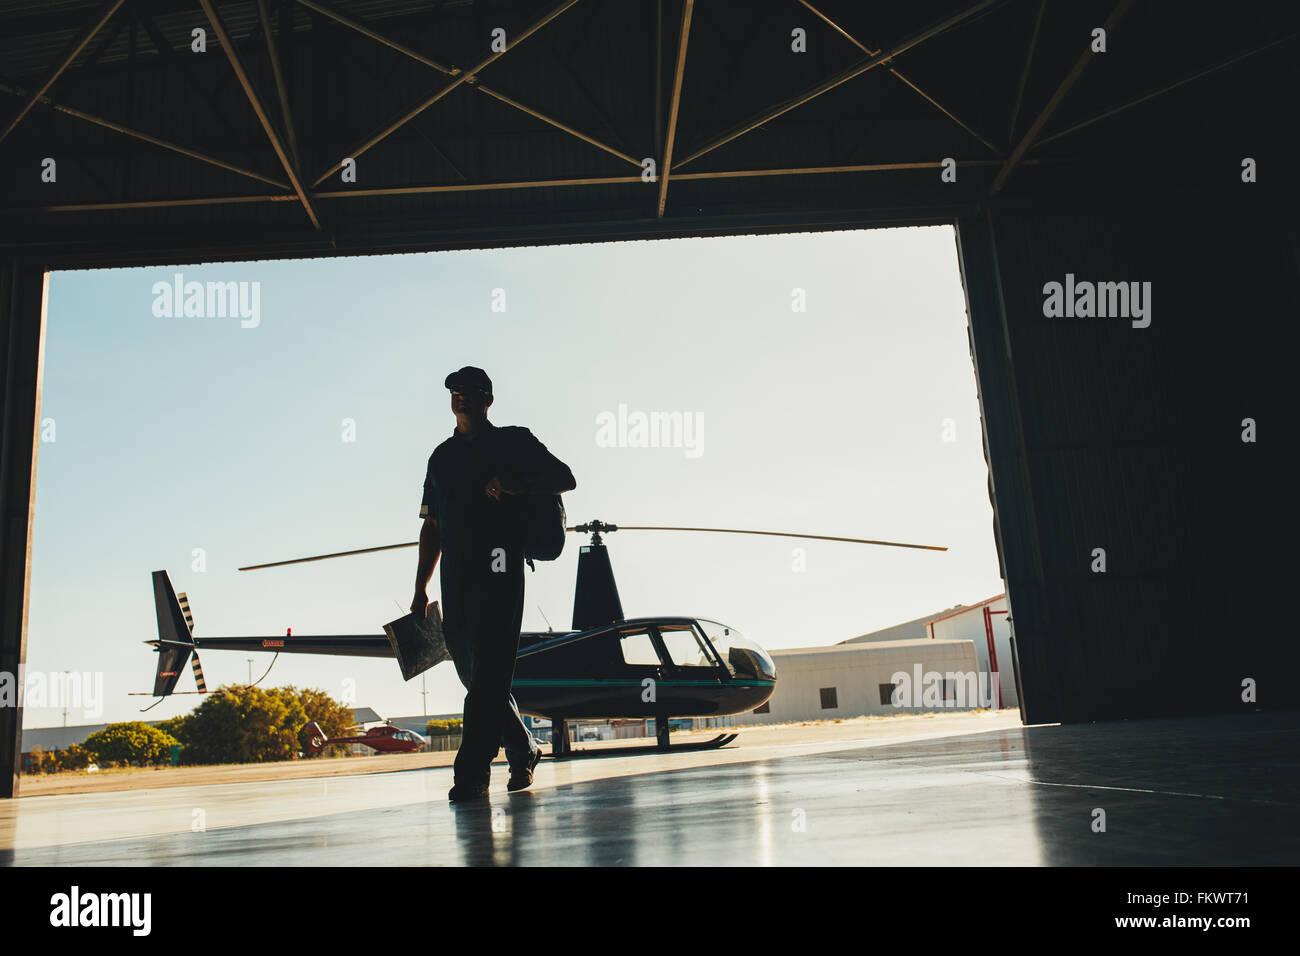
(1144, 511)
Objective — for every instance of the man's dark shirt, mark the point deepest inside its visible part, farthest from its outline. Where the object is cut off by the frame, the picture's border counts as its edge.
(471, 524)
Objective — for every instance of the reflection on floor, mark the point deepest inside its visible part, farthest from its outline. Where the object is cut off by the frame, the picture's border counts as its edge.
(1197, 791)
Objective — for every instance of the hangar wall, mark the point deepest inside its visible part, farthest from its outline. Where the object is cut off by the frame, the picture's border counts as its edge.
(1103, 435)
(23, 291)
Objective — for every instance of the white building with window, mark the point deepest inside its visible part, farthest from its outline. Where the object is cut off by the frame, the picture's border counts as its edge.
(850, 680)
(956, 659)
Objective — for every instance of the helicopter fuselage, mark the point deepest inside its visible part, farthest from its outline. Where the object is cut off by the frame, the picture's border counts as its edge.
(655, 667)
(643, 667)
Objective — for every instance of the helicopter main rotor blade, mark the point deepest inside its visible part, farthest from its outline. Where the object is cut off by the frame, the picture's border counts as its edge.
(783, 534)
(325, 557)
(622, 527)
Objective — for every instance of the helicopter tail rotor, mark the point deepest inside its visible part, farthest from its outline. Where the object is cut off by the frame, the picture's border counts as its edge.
(175, 638)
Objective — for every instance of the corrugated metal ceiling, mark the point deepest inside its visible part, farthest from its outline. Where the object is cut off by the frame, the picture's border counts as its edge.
(577, 104)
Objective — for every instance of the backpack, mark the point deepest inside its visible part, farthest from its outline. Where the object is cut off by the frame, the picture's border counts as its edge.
(543, 515)
(543, 528)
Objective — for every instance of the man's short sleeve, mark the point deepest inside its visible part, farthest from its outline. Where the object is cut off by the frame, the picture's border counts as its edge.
(535, 469)
(429, 503)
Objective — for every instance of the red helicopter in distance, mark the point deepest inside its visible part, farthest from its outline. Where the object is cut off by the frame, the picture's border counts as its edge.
(386, 739)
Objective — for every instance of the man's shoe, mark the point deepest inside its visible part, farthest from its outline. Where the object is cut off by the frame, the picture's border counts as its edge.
(522, 778)
(467, 791)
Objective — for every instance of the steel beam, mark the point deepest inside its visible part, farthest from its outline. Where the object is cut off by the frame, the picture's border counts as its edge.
(1045, 114)
(169, 56)
(388, 191)
(383, 84)
(679, 71)
(850, 72)
(355, 25)
(290, 169)
(501, 97)
(562, 62)
(59, 146)
(904, 80)
(144, 137)
(821, 170)
(1024, 72)
(1151, 95)
(157, 203)
(463, 77)
(285, 116)
(74, 78)
(659, 77)
(77, 47)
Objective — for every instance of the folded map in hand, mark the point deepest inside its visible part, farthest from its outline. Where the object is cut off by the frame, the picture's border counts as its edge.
(418, 642)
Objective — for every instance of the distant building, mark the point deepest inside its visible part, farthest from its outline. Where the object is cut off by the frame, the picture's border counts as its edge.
(851, 680)
(61, 738)
(962, 646)
(365, 715)
(913, 630)
(985, 625)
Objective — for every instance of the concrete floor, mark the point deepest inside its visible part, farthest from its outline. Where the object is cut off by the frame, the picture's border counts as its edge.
(1192, 792)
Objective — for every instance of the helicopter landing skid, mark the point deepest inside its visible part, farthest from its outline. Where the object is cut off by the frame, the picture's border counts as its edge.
(719, 741)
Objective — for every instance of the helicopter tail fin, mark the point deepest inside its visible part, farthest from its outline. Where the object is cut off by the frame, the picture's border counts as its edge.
(175, 639)
(312, 739)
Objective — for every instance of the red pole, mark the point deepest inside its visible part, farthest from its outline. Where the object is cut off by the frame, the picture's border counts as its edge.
(993, 652)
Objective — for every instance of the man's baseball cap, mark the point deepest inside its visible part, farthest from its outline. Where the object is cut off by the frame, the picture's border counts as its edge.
(467, 378)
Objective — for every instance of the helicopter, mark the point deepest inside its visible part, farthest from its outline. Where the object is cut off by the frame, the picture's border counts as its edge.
(607, 666)
(386, 739)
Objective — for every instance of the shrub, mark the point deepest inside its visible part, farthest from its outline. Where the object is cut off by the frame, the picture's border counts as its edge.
(131, 742)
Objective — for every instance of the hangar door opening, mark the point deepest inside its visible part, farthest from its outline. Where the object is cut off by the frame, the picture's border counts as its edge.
(202, 418)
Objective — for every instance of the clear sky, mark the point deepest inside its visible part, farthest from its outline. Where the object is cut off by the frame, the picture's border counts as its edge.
(857, 416)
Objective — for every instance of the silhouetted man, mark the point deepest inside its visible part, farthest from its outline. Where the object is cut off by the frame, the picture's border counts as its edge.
(473, 512)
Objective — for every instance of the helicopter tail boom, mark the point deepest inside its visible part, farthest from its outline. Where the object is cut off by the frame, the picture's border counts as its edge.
(312, 738)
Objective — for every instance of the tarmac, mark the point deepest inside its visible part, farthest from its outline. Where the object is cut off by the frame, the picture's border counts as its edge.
(975, 791)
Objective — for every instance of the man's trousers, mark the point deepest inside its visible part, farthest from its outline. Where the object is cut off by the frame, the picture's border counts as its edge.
(482, 614)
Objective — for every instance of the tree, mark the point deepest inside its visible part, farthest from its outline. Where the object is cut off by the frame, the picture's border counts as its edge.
(174, 726)
(443, 728)
(74, 758)
(130, 742)
(244, 724)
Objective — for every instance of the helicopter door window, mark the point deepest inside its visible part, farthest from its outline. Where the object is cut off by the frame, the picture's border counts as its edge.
(683, 647)
(638, 648)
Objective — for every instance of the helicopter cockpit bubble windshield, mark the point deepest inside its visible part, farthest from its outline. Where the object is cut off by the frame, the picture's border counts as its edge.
(745, 659)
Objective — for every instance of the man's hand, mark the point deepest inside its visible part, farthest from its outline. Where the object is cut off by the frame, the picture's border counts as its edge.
(420, 605)
(496, 488)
